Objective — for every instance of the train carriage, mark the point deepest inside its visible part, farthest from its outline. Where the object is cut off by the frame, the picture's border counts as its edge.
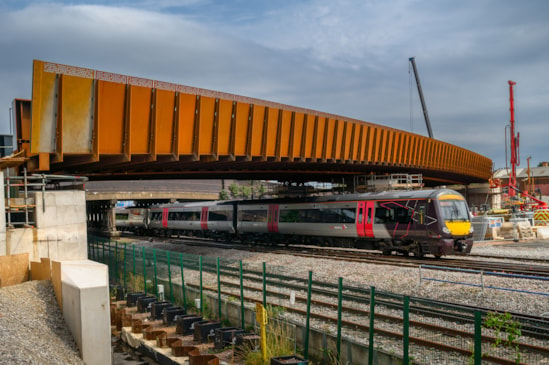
(131, 219)
(410, 222)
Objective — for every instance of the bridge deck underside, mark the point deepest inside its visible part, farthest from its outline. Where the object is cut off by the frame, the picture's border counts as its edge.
(108, 125)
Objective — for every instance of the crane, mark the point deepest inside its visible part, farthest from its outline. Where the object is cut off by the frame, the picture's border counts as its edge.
(420, 91)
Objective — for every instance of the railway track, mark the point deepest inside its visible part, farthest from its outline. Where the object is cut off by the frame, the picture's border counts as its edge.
(484, 263)
(435, 326)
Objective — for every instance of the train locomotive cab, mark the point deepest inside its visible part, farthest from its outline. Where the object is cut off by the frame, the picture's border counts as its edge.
(456, 229)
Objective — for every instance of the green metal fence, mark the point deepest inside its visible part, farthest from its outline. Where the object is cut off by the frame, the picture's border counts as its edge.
(413, 329)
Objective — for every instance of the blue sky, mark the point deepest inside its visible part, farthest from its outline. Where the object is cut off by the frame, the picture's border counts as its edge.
(343, 57)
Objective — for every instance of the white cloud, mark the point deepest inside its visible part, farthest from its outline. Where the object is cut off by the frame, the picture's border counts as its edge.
(346, 57)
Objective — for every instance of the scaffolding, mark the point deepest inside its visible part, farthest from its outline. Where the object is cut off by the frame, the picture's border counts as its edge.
(390, 182)
(20, 206)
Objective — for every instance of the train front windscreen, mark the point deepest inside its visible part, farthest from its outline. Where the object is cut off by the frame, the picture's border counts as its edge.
(456, 217)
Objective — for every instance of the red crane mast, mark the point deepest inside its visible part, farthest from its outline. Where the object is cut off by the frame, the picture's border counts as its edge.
(514, 158)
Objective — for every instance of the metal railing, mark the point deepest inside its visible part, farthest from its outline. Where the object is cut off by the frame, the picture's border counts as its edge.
(20, 206)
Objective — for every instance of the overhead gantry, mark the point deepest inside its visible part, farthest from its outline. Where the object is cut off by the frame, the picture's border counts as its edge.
(107, 126)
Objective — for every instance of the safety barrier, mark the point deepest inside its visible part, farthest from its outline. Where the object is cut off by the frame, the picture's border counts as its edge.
(481, 276)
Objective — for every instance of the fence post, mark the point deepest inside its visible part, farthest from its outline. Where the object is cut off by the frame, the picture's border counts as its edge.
(218, 290)
(406, 331)
(133, 254)
(264, 285)
(478, 338)
(371, 329)
(241, 296)
(182, 280)
(155, 277)
(116, 262)
(169, 275)
(339, 310)
(144, 271)
(125, 254)
(307, 321)
(200, 267)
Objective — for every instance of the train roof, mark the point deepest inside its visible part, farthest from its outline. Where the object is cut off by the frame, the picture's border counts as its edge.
(384, 195)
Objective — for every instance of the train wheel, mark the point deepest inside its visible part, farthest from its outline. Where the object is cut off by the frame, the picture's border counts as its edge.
(418, 252)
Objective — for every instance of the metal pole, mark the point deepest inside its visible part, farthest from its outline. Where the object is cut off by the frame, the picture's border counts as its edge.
(133, 254)
(169, 276)
(241, 296)
(8, 190)
(116, 262)
(264, 285)
(406, 331)
(371, 329)
(307, 321)
(125, 259)
(339, 309)
(103, 252)
(200, 266)
(144, 271)
(155, 277)
(182, 280)
(218, 290)
(26, 197)
(478, 338)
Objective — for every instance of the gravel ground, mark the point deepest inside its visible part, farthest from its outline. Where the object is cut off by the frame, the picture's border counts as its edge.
(32, 327)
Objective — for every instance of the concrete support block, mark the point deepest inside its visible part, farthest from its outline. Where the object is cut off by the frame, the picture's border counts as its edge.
(60, 232)
(85, 305)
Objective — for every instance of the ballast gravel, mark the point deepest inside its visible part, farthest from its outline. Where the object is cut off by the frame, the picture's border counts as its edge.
(32, 329)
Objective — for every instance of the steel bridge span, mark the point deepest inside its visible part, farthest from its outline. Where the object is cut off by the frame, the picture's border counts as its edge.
(110, 126)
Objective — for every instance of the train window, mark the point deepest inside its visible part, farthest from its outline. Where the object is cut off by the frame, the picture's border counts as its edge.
(219, 216)
(256, 215)
(348, 215)
(403, 215)
(156, 216)
(290, 216)
(383, 215)
(121, 216)
(454, 210)
(322, 215)
(392, 215)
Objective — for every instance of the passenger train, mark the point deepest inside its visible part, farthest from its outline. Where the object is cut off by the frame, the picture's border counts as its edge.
(417, 222)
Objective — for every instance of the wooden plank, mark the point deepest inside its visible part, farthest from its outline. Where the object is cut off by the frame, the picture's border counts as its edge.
(14, 269)
(41, 270)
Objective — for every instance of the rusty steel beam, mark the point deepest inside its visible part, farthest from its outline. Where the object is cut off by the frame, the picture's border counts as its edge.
(87, 121)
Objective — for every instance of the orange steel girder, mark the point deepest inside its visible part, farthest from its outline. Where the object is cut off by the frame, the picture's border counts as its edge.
(99, 123)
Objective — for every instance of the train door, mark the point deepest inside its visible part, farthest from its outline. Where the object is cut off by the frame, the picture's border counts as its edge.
(364, 225)
(272, 218)
(421, 218)
(165, 217)
(204, 218)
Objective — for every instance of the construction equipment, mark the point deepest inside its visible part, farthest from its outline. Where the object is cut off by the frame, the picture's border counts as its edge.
(531, 201)
(514, 142)
(420, 91)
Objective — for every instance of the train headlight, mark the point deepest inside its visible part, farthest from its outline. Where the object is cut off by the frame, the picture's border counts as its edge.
(446, 230)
